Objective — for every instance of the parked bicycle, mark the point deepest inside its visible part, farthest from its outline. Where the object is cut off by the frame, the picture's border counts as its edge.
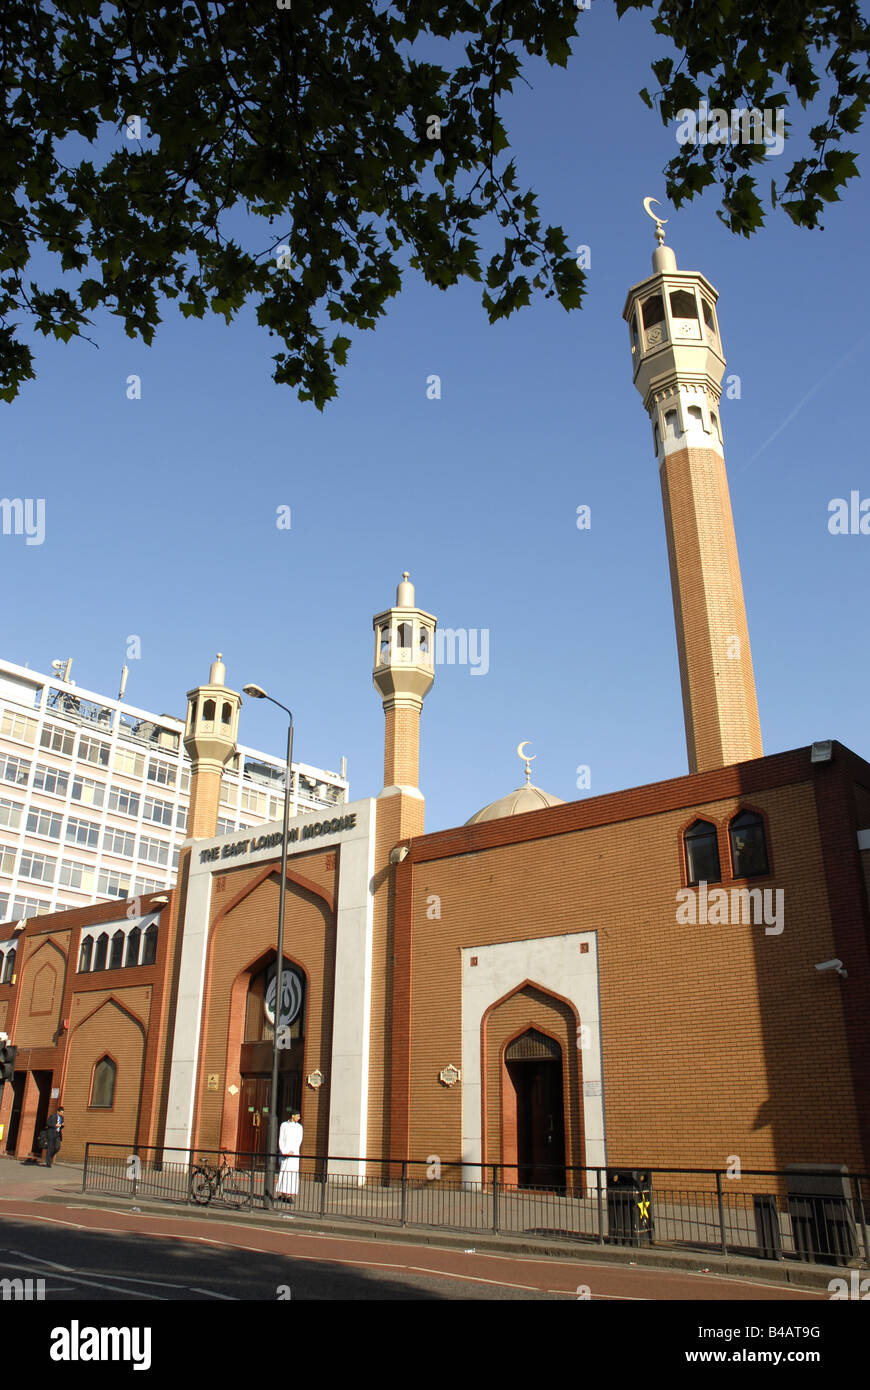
(232, 1187)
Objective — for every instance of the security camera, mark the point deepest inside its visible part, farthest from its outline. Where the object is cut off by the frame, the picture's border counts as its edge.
(834, 964)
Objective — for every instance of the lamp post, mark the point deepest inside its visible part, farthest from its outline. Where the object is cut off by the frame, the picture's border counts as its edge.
(257, 693)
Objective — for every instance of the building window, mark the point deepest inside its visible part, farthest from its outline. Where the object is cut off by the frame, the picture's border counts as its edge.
(19, 727)
(702, 853)
(748, 845)
(81, 876)
(671, 423)
(88, 792)
(15, 770)
(10, 813)
(119, 842)
(128, 762)
(103, 1084)
(708, 314)
(162, 773)
(101, 951)
(153, 851)
(57, 739)
(224, 827)
(149, 952)
(125, 802)
(39, 866)
(92, 750)
(208, 709)
(116, 955)
(113, 883)
(8, 966)
(83, 832)
(405, 634)
(44, 823)
(160, 812)
(85, 953)
(226, 712)
(133, 947)
(7, 859)
(50, 780)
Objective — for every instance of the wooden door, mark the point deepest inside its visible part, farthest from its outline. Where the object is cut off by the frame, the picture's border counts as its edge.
(540, 1122)
(253, 1129)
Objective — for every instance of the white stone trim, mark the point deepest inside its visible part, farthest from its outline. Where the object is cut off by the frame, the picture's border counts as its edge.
(553, 963)
(349, 1065)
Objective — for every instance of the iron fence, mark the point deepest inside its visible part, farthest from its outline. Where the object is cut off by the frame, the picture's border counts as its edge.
(816, 1215)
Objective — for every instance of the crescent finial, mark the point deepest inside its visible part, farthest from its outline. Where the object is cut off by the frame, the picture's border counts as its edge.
(659, 221)
(526, 758)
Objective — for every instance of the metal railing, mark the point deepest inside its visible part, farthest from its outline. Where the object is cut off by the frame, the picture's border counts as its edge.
(815, 1216)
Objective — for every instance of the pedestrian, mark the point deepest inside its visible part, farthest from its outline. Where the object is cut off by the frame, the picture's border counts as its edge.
(53, 1134)
(290, 1144)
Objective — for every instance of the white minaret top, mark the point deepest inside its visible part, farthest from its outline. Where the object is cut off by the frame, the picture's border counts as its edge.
(405, 592)
(218, 673)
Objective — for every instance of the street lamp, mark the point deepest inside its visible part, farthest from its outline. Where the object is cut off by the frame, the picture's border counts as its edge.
(258, 693)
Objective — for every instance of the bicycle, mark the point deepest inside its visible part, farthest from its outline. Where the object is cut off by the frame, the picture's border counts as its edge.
(207, 1181)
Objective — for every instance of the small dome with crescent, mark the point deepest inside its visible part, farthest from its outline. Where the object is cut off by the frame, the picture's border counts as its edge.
(518, 802)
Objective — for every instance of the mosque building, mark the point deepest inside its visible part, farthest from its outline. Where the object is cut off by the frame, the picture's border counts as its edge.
(665, 976)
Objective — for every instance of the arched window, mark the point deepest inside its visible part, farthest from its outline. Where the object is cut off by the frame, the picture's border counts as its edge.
(714, 421)
(702, 853)
(748, 845)
(8, 965)
(653, 311)
(424, 641)
(149, 953)
(672, 425)
(385, 644)
(632, 328)
(404, 633)
(103, 1084)
(708, 314)
(226, 712)
(116, 957)
(260, 1010)
(192, 720)
(656, 438)
(85, 953)
(133, 947)
(208, 709)
(683, 305)
(101, 950)
(696, 414)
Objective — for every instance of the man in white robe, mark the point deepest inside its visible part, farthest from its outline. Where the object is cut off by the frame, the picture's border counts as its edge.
(290, 1145)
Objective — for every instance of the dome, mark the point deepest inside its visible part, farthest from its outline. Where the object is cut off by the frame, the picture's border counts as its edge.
(516, 803)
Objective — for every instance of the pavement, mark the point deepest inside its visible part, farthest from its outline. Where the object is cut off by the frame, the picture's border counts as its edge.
(62, 1184)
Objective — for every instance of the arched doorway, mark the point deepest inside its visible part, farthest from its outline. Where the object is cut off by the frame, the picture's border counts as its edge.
(256, 1055)
(533, 1062)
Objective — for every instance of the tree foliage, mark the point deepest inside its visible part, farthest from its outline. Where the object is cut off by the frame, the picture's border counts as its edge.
(301, 156)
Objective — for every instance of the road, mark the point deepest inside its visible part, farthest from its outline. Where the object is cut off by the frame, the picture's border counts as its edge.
(90, 1254)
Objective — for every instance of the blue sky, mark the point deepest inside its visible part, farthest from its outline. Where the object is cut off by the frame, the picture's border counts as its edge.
(160, 513)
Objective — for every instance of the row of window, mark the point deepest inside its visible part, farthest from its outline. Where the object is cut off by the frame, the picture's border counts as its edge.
(121, 801)
(61, 740)
(43, 868)
(87, 833)
(123, 949)
(747, 845)
(41, 821)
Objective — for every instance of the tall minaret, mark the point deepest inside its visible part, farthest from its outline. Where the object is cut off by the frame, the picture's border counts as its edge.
(210, 739)
(678, 367)
(403, 673)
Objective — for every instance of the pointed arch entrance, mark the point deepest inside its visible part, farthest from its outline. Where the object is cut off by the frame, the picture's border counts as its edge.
(255, 1062)
(535, 1111)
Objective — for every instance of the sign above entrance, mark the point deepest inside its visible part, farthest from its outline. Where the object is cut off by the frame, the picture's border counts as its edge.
(311, 830)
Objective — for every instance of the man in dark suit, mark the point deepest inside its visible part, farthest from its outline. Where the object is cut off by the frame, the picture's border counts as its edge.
(54, 1131)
